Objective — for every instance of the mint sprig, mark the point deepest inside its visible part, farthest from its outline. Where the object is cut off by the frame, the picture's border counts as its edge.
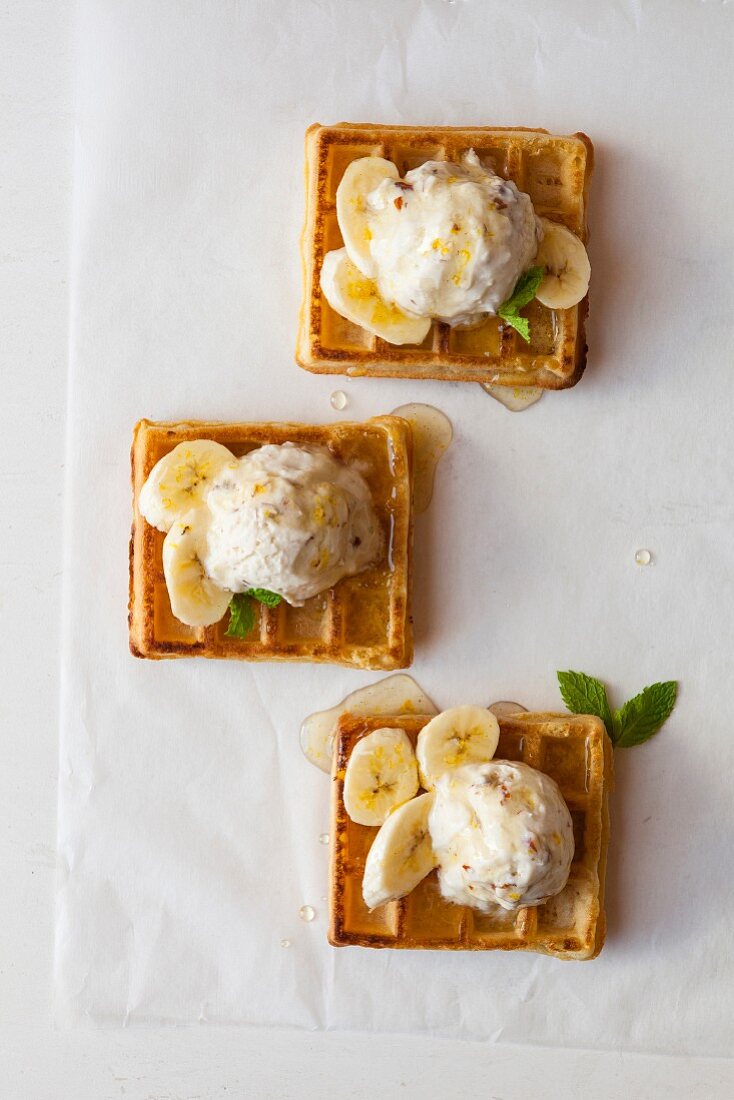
(525, 290)
(242, 617)
(635, 722)
(262, 595)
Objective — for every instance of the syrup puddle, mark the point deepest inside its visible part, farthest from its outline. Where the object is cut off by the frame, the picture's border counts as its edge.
(432, 433)
(504, 709)
(514, 398)
(398, 694)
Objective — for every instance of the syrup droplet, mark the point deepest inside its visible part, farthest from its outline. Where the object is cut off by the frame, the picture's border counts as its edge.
(514, 398)
(432, 433)
(338, 400)
(323, 838)
(643, 557)
(285, 943)
(307, 912)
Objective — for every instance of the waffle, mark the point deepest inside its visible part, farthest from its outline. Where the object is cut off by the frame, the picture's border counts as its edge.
(576, 751)
(554, 171)
(363, 621)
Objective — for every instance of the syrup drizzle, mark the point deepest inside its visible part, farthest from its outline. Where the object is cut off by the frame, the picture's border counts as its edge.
(432, 433)
(505, 708)
(514, 398)
(398, 694)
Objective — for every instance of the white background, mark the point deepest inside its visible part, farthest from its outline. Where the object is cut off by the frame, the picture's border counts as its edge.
(34, 1061)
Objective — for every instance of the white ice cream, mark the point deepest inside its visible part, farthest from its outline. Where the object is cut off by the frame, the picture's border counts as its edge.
(450, 241)
(290, 519)
(502, 834)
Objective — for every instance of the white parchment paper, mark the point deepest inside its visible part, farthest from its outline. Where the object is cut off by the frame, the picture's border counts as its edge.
(189, 820)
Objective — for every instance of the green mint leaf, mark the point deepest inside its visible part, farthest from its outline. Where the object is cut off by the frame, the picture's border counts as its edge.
(520, 324)
(242, 616)
(263, 595)
(525, 290)
(616, 726)
(643, 716)
(584, 694)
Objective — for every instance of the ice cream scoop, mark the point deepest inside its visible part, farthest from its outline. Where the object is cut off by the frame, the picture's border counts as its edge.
(449, 241)
(290, 519)
(502, 835)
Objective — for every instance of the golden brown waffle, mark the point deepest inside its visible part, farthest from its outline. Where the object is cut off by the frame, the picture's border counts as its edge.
(554, 171)
(576, 751)
(363, 621)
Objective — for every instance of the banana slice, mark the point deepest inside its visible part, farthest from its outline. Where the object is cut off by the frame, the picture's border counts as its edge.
(180, 480)
(360, 177)
(461, 735)
(195, 599)
(381, 773)
(356, 297)
(401, 853)
(567, 267)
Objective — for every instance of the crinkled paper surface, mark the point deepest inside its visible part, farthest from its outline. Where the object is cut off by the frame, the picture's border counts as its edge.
(189, 820)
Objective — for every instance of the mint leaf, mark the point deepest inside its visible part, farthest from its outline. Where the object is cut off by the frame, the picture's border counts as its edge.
(242, 616)
(525, 290)
(584, 694)
(263, 595)
(520, 324)
(643, 716)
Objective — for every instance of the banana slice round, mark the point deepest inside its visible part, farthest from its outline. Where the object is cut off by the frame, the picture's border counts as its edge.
(360, 177)
(567, 267)
(381, 773)
(357, 298)
(195, 599)
(401, 853)
(179, 481)
(461, 735)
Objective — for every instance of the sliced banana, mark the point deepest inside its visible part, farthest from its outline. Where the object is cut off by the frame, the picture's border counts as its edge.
(567, 267)
(460, 735)
(360, 177)
(195, 599)
(180, 480)
(382, 772)
(356, 297)
(401, 853)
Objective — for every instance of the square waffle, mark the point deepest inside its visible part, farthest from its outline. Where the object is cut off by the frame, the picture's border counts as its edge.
(554, 171)
(576, 751)
(363, 621)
